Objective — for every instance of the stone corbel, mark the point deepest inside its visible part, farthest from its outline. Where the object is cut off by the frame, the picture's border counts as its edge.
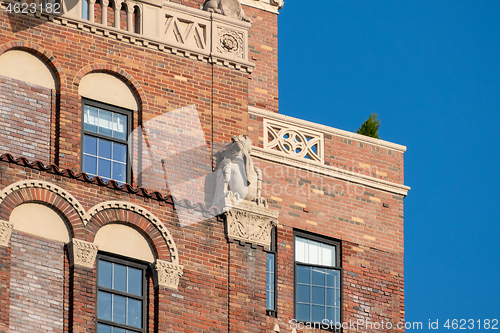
(82, 253)
(168, 274)
(250, 221)
(5, 232)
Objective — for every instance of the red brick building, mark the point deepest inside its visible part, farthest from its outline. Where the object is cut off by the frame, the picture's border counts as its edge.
(149, 184)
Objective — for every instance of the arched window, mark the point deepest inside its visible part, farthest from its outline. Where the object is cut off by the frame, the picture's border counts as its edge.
(122, 276)
(107, 108)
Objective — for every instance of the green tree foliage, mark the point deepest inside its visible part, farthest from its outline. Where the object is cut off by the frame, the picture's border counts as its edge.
(370, 126)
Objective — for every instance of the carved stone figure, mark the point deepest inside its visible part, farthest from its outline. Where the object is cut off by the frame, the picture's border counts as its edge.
(231, 8)
(236, 174)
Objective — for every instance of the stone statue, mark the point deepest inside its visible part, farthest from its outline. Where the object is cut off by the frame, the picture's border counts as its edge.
(231, 8)
(236, 174)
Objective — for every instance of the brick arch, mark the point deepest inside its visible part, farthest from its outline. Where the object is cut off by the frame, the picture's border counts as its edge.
(130, 213)
(119, 73)
(55, 197)
(39, 51)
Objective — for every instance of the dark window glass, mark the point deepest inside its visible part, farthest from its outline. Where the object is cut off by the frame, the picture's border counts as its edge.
(271, 276)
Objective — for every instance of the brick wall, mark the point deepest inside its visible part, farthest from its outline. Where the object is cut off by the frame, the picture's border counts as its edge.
(36, 284)
(25, 115)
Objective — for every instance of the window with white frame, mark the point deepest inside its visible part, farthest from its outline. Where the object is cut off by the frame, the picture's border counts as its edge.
(318, 279)
(105, 145)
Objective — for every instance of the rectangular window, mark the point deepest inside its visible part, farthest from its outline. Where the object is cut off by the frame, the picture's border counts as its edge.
(318, 279)
(121, 296)
(105, 146)
(271, 276)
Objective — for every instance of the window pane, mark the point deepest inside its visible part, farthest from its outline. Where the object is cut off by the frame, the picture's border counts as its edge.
(134, 317)
(318, 276)
(119, 309)
(89, 145)
(101, 328)
(119, 172)
(332, 297)
(120, 278)
(317, 313)
(327, 255)
(105, 148)
(104, 168)
(90, 164)
(104, 305)
(118, 330)
(314, 253)
(105, 274)
(303, 293)
(333, 278)
(85, 10)
(303, 312)
(270, 301)
(119, 126)
(270, 263)
(105, 123)
(332, 314)
(303, 274)
(90, 119)
(134, 281)
(301, 249)
(119, 152)
(318, 295)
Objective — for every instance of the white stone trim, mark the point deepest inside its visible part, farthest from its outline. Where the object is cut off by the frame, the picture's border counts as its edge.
(82, 253)
(272, 6)
(297, 138)
(5, 233)
(168, 274)
(330, 171)
(325, 129)
(174, 255)
(33, 183)
(152, 37)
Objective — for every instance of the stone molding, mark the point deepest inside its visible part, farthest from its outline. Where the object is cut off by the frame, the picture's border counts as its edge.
(250, 221)
(5, 233)
(324, 129)
(82, 253)
(168, 274)
(32, 183)
(272, 6)
(332, 172)
(129, 206)
(287, 139)
(197, 41)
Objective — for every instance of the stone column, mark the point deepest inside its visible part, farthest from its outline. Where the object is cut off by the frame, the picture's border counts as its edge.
(130, 16)
(91, 10)
(104, 12)
(118, 6)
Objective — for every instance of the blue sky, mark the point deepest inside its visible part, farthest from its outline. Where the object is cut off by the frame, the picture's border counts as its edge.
(431, 70)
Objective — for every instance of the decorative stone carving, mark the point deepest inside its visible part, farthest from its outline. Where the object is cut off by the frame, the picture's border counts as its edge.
(83, 253)
(236, 174)
(32, 183)
(294, 141)
(5, 232)
(250, 221)
(231, 8)
(129, 206)
(168, 274)
(230, 42)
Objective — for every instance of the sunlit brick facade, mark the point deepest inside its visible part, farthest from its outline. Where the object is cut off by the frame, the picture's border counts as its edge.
(117, 120)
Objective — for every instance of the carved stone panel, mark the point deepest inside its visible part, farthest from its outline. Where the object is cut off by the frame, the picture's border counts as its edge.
(251, 222)
(294, 141)
(168, 274)
(5, 232)
(83, 253)
(230, 42)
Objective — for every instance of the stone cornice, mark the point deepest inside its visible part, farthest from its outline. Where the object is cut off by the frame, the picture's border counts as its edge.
(330, 171)
(150, 42)
(272, 6)
(326, 129)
